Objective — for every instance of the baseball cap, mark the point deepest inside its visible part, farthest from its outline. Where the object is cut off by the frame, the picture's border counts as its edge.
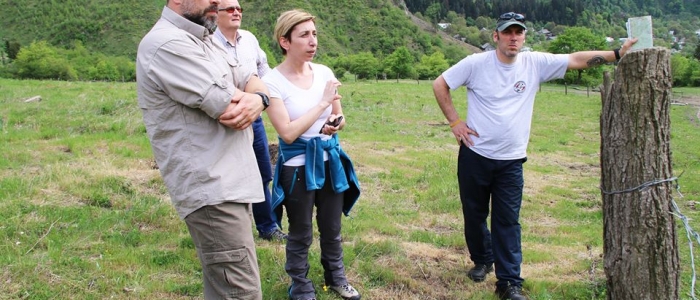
(508, 19)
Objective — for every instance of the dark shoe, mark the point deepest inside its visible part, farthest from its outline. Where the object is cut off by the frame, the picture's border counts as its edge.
(346, 292)
(511, 292)
(276, 235)
(478, 272)
(289, 292)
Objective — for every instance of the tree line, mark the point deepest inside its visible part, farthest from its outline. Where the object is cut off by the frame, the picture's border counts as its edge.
(40, 60)
(565, 12)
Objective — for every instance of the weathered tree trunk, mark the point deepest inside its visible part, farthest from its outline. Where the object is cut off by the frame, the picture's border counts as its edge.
(640, 247)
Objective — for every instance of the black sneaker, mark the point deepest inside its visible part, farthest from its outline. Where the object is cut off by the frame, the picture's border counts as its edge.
(276, 235)
(511, 292)
(478, 272)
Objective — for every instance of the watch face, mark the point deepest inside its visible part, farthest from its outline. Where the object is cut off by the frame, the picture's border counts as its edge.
(265, 99)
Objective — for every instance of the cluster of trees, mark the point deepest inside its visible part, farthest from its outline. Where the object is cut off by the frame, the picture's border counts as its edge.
(686, 70)
(40, 60)
(400, 64)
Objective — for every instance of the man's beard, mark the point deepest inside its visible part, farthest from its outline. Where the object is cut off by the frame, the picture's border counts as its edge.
(201, 18)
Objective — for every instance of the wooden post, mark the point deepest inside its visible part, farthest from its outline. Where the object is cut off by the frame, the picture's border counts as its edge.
(640, 239)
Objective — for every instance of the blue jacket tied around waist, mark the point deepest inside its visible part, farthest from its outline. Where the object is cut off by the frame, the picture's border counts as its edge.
(342, 173)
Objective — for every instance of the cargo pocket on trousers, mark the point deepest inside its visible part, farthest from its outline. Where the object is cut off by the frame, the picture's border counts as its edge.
(231, 272)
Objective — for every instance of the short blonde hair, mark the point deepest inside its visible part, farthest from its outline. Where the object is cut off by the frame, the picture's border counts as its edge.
(286, 23)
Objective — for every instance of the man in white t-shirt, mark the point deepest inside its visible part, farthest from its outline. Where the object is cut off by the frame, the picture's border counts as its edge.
(501, 87)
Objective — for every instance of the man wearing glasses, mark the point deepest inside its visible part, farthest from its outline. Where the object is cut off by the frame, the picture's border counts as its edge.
(501, 87)
(242, 46)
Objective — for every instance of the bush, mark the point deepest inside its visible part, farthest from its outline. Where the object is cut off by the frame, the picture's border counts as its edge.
(7, 71)
(41, 61)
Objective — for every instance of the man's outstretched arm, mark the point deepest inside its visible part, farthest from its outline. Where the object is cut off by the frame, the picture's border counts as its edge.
(589, 59)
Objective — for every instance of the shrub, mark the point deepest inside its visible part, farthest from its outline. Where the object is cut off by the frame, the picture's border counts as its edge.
(41, 61)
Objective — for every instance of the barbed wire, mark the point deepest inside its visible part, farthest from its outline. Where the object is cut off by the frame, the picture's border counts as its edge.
(640, 187)
(690, 232)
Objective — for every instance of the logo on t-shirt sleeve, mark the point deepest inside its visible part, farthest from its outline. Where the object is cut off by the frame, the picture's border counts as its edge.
(519, 87)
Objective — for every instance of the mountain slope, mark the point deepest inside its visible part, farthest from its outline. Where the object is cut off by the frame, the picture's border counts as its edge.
(427, 27)
(116, 27)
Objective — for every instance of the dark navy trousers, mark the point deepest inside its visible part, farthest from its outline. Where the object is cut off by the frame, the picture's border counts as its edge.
(262, 211)
(484, 181)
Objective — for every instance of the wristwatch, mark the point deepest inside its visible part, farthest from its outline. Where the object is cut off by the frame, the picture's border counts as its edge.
(265, 99)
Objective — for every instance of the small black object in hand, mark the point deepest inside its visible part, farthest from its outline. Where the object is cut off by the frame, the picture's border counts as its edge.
(333, 123)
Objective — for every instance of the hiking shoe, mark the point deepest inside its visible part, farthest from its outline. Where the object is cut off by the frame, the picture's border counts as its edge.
(478, 272)
(289, 292)
(511, 292)
(301, 298)
(346, 292)
(275, 235)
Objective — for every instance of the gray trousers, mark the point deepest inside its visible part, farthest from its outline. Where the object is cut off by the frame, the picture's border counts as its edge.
(300, 204)
(226, 250)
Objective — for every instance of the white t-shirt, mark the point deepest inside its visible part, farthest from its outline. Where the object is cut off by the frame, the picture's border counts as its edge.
(500, 98)
(299, 101)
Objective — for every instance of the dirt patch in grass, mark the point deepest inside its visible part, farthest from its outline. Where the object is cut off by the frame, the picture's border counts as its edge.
(692, 101)
(9, 284)
(422, 271)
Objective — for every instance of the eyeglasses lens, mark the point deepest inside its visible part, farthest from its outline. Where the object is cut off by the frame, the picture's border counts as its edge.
(232, 9)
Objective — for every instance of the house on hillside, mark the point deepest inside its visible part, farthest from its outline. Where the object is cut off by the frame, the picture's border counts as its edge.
(444, 26)
(487, 47)
(548, 34)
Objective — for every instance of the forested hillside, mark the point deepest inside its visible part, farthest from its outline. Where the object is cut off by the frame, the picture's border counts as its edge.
(367, 38)
(345, 27)
(675, 21)
(564, 12)
(115, 27)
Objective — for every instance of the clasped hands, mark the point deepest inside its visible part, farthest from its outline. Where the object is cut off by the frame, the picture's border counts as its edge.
(243, 110)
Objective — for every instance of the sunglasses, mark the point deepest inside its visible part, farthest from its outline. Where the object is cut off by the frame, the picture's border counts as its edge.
(511, 15)
(232, 9)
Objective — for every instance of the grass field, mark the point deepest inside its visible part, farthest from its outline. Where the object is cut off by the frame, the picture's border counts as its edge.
(86, 216)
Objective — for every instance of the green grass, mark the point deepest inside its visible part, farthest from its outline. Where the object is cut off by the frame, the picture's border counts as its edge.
(85, 215)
